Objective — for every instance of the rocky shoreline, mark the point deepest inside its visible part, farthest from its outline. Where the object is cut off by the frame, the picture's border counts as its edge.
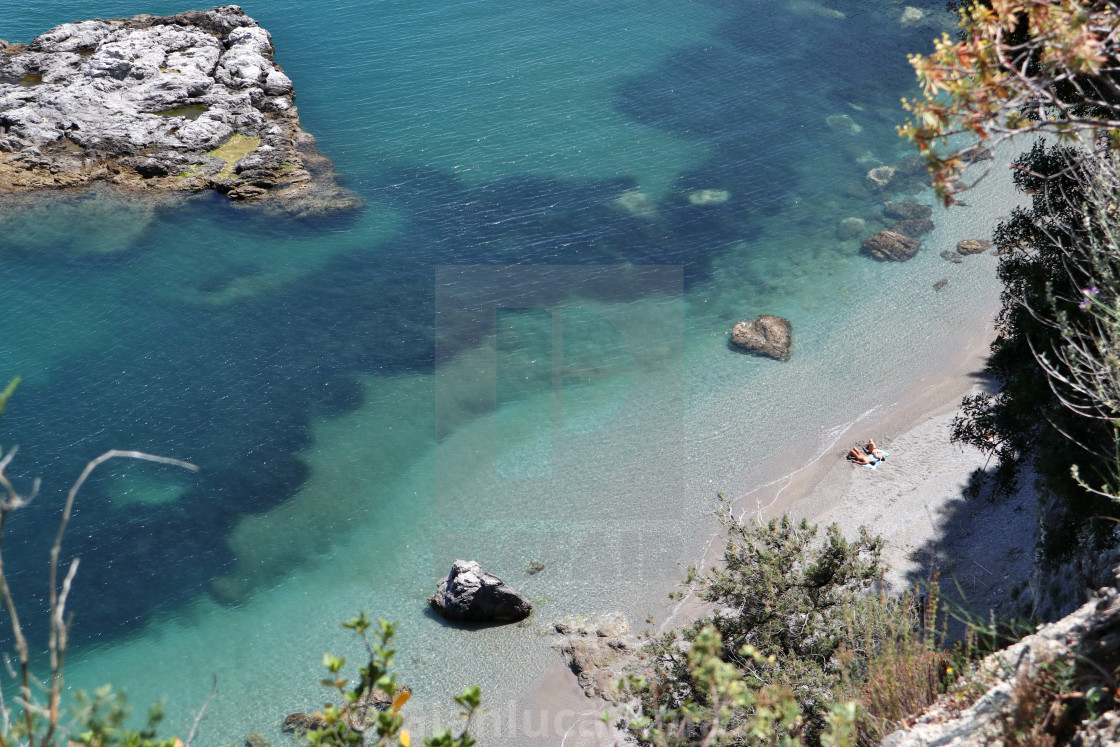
(161, 105)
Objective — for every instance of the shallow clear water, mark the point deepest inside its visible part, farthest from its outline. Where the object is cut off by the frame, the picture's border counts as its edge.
(369, 397)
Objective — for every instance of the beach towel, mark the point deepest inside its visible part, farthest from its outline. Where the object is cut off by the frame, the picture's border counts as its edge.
(877, 461)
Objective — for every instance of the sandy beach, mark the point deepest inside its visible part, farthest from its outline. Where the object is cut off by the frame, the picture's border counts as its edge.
(915, 500)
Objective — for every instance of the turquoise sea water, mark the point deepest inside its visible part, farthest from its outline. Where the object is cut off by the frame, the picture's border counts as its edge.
(496, 358)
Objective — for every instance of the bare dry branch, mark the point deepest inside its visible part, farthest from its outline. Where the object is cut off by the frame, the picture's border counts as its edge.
(57, 641)
(59, 626)
(202, 713)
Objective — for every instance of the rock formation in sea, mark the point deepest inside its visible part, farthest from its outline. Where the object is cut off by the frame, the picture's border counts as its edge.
(849, 228)
(768, 335)
(255, 739)
(880, 177)
(974, 246)
(301, 723)
(890, 246)
(160, 104)
(911, 165)
(708, 197)
(470, 594)
(363, 713)
(911, 175)
(907, 210)
(842, 123)
(637, 204)
(914, 227)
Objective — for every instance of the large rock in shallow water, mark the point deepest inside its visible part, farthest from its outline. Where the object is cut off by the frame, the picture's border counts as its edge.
(301, 723)
(974, 246)
(888, 246)
(472, 595)
(768, 335)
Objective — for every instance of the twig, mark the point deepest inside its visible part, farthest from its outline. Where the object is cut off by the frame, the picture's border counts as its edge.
(11, 500)
(202, 713)
(59, 630)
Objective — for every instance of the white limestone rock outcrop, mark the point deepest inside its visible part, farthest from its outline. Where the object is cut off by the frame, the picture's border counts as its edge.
(1086, 641)
(182, 103)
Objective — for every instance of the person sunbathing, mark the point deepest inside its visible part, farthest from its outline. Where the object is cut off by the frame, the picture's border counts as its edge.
(869, 455)
(859, 456)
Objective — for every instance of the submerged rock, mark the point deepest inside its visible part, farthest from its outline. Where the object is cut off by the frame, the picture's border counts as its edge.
(637, 205)
(470, 594)
(912, 165)
(907, 210)
(849, 228)
(768, 335)
(880, 178)
(950, 256)
(157, 104)
(914, 227)
(974, 246)
(842, 123)
(256, 740)
(808, 8)
(380, 700)
(940, 284)
(708, 197)
(976, 153)
(889, 246)
(93, 221)
(300, 723)
(911, 16)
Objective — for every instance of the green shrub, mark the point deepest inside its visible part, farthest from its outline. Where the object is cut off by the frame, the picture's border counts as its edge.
(782, 626)
(357, 720)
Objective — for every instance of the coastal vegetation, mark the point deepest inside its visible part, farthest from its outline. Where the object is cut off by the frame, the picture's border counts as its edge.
(803, 647)
(1059, 276)
(1044, 69)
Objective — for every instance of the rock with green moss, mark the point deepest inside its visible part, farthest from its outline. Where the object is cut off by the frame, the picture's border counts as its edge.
(155, 104)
